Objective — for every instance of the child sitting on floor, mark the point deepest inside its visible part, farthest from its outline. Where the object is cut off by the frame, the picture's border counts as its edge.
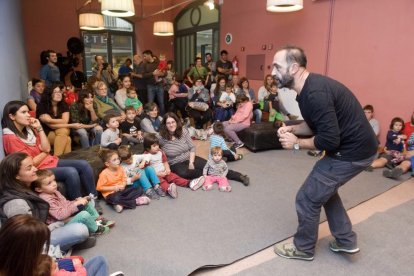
(110, 137)
(159, 162)
(131, 128)
(216, 170)
(217, 140)
(112, 184)
(80, 210)
(137, 175)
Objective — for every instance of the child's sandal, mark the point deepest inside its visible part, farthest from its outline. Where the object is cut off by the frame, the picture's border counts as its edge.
(239, 156)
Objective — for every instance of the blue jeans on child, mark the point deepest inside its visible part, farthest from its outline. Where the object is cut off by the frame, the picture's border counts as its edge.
(85, 136)
(148, 179)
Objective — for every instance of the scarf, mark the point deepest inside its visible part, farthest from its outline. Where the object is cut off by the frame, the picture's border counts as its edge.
(31, 137)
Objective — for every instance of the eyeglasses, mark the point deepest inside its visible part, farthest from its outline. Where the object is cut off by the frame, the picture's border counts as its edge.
(171, 123)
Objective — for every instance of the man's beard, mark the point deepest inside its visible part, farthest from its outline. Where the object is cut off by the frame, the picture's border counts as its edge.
(287, 81)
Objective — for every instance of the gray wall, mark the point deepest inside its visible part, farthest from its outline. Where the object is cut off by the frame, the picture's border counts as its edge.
(13, 77)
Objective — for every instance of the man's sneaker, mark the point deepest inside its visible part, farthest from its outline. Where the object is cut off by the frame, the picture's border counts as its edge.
(88, 243)
(152, 194)
(160, 191)
(118, 208)
(394, 173)
(238, 145)
(101, 230)
(225, 189)
(196, 183)
(105, 222)
(289, 251)
(172, 190)
(335, 247)
(245, 180)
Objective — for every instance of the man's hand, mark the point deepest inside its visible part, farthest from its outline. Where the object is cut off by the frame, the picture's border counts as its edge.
(287, 140)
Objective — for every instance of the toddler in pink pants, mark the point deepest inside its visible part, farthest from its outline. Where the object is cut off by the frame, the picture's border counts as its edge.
(215, 171)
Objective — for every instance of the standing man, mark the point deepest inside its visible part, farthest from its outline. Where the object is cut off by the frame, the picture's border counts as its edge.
(137, 77)
(98, 68)
(154, 88)
(335, 120)
(50, 72)
(224, 67)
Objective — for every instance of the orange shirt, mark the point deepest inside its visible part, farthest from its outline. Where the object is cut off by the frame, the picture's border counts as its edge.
(108, 178)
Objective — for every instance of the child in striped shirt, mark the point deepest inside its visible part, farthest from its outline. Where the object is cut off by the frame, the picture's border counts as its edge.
(217, 140)
(215, 171)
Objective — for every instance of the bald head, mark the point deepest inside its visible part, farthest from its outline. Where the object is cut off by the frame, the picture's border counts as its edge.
(293, 54)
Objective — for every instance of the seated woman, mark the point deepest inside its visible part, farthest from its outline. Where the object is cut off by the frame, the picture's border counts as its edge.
(83, 112)
(178, 98)
(53, 112)
(198, 93)
(178, 146)
(22, 242)
(17, 172)
(21, 133)
(121, 94)
(246, 90)
(264, 91)
(240, 120)
(152, 121)
(105, 105)
(35, 94)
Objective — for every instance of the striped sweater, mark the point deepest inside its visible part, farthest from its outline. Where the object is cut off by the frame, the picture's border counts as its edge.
(218, 141)
(177, 150)
(216, 169)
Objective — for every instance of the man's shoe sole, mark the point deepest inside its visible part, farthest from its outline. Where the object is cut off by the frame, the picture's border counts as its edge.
(343, 250)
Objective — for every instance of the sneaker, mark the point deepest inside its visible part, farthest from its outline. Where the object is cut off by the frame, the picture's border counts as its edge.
(105, 222)
(152, 194)
(88, 243)
(293, 117)
(172, 190)
(245, 180)
(394, 173)
(314, 153)
(118, 273)
(335, 247)
(289, 251)
(196, 183)
(238, 145)
(118, 208)
(225, 189)
(142, 200)
(160, 191)
(101, 230)
(207, 187)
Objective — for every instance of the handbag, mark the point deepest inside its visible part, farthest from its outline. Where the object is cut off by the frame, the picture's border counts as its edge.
(200, 106)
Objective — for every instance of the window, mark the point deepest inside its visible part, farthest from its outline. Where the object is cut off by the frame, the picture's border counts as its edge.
(116, 43)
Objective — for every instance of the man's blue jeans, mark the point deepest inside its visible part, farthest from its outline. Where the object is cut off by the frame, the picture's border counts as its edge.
(156, 91)
(321, 189)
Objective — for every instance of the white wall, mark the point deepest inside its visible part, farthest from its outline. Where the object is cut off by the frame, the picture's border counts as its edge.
(13, 77)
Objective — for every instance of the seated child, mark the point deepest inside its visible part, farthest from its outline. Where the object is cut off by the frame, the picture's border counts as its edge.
(217, 140)
(225, 106)
(132, 100)
(216, 170)
(133, 165)
(112, 184)
(110, 137)
(274, 105)
(394, 147)
(131, 128)
(159, 162)
(80, 210)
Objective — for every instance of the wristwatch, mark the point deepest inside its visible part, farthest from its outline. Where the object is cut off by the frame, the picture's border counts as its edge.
(296, 146)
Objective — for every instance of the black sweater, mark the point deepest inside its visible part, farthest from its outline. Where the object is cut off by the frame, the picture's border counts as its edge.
(336, 118)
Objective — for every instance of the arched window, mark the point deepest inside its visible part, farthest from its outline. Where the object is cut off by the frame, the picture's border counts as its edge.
(197, 32)
(116, 43)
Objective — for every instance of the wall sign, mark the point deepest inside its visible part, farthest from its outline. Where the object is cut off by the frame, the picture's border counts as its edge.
(228, 38)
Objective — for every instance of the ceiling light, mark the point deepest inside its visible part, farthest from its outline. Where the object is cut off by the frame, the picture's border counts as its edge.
(163, 28)
(284, 5)
(91, 21)
(209, 4)
(119, 8)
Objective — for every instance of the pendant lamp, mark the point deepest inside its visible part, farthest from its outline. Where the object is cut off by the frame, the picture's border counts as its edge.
(284, 5)
(91, 21)
(119, 8)
(163, 28)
